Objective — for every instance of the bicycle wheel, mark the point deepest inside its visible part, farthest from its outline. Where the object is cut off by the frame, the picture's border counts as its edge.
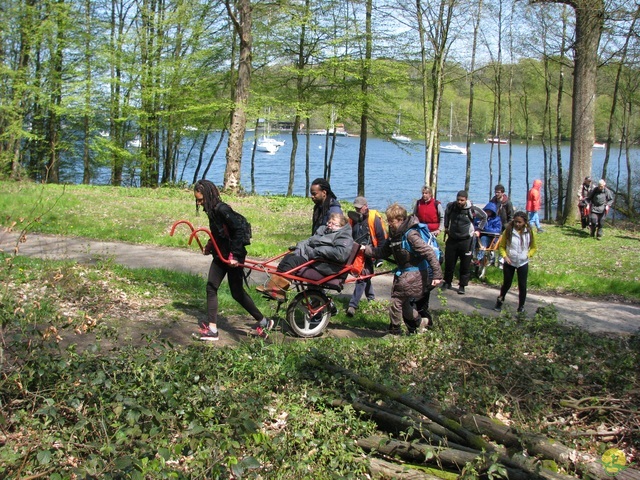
(308, 313)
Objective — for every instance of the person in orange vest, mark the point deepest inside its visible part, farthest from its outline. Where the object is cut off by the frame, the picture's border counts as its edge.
(430, 211)
(367, 228)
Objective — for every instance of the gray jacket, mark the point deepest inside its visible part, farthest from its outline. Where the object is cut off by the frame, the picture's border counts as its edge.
(600, 199)
(332, 246)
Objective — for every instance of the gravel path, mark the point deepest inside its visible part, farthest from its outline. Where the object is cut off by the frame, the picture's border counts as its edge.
(594, 316)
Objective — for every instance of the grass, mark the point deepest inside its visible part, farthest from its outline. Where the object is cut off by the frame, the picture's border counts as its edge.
(78, 400)
(159, 410)
(568, 261)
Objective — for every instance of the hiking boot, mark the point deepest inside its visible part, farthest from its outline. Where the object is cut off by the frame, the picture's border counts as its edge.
(351, 312)
(208, 336)
(445, 286)
(460, 290)
(427, 320)
(499, 303)
(520, 309)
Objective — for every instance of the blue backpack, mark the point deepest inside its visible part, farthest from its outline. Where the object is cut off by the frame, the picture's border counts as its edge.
(429, 239)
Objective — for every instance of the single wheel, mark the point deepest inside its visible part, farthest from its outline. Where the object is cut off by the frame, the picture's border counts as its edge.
(309, 313)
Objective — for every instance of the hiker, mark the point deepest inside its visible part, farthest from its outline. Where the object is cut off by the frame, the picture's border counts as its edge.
(491, 229)
(410, 281)
(325, 202)
(367, 228)
(600, 200)
(228, 232)
(503, 204)
(459, 229)
(583, 205)
(332, 242)
(414, 277)
(517, 245)
(430, 211)
(533, 205)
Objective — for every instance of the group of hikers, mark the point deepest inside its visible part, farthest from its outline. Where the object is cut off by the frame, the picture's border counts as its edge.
(594, 202)
(409, 239)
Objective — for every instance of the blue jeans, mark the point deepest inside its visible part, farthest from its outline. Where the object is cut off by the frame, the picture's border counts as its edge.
(534, 220)
(485, 241)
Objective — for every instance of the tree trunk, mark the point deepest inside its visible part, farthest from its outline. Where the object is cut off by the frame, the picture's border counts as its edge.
(364, 88)
(616, 87)
(242, 26)
(560, 183)
(589, 24)
(472, 82)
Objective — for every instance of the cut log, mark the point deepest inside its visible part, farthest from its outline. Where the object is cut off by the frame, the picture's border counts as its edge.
(582, 462)
(420, 453)
(428, 430)
(470, 439)
(386, 469)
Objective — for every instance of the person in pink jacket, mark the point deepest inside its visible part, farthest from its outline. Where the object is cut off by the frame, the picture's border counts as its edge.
(533, 205)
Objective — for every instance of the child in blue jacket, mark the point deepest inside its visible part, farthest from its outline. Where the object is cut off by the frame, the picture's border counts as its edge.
(492, 228)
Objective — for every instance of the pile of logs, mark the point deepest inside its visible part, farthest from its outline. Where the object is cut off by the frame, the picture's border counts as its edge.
(452, 440)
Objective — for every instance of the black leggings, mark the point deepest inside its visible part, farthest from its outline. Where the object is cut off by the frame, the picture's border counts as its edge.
(217, 272)
(508, 271)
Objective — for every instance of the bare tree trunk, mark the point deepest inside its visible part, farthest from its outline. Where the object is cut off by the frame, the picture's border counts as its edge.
(242, 26)
(560, 183)
(425, 90)
(616, 87)
(307, 160)
(589, 24)
(476, 27)
(364, 88)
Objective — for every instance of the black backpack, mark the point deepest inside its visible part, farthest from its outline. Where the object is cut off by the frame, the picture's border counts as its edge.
(235, 218)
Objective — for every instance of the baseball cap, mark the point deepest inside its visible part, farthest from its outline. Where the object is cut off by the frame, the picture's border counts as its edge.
(359, 202)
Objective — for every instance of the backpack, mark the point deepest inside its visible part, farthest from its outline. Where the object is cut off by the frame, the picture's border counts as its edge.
(429, 239)
(242, 224)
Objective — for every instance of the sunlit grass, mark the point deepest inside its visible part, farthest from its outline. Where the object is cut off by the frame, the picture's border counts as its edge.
(568, 260)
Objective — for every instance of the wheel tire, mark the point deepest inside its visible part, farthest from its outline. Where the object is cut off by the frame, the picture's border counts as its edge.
(309, 313)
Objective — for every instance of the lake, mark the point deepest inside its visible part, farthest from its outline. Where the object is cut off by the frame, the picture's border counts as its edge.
(395, 172)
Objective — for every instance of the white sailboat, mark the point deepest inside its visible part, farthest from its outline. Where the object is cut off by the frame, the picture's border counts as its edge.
(396, 137)
(266, 143)
(452, 147)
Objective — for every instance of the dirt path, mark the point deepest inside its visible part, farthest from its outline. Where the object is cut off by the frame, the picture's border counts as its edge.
(594, 316)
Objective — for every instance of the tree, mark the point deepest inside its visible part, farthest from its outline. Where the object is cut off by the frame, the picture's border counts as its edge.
(240, 15)
(589, 25)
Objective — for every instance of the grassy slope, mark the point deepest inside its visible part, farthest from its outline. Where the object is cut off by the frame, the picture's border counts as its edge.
(203, 408)
(568, 260)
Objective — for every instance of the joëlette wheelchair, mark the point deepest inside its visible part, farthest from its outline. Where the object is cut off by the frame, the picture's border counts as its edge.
(310, 310)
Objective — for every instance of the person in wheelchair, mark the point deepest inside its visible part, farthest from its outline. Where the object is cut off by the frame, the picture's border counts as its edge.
(331, 243)
(490, 231)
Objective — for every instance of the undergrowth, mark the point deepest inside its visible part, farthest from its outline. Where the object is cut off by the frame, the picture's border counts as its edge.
(261, 410)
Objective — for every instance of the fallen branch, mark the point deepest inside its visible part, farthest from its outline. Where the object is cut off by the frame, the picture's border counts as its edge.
(420, 453)
(394, 470)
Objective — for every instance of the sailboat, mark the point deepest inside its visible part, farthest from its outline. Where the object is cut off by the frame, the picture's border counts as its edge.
(396, 137)
(266, 143)
(452, 148)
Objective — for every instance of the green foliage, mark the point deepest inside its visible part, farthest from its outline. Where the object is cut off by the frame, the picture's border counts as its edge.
(114, 409)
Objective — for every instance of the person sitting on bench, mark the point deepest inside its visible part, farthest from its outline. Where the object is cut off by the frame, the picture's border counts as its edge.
(332, 244)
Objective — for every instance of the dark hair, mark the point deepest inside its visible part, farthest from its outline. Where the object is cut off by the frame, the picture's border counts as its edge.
(324, 186)
(462, 193)
(508, 232)
(499, 188)
(210, 195)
